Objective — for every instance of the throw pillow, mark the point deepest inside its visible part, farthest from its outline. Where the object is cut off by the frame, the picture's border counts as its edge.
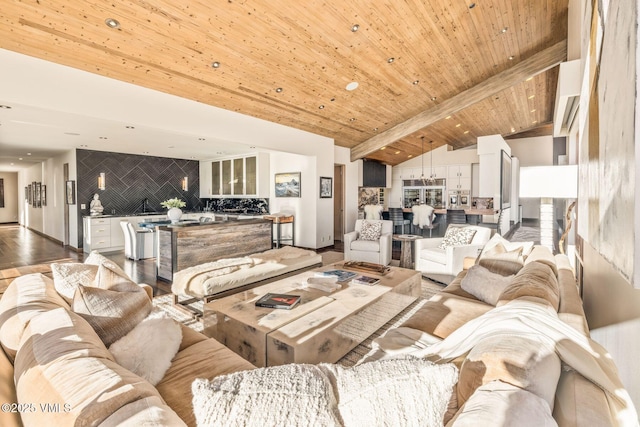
(96, 258)
(67, 276)
(535, 279)
(112, 314)
(524, 362)
(370, 230)
(499, 260)
(457, 236)
(501, 404)
(407, 391)
(484, 284)
(147, 350)
(293, 394)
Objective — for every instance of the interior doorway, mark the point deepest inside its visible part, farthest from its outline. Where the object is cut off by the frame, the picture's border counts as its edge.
(338, 203)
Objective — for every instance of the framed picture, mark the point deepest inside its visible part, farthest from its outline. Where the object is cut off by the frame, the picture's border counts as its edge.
(26, 193)
(505, 180)
(287, 184)
(43, 195)
(326, 187)
(34, 193)
(70, 192)
(1, 193)
(30, 194)
(38, 194)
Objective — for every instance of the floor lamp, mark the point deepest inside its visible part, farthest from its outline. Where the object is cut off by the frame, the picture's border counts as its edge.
(549, 183)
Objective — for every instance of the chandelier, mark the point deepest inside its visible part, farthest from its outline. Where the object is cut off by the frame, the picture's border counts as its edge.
(431, 180)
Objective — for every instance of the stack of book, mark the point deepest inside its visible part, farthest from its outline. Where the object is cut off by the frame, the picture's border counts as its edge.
(326, 284)
(365, 280)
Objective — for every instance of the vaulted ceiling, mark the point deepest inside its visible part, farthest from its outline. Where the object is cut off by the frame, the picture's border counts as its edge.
(445, 70)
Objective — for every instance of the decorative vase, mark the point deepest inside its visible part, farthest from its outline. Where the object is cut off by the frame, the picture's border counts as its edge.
(174, 215)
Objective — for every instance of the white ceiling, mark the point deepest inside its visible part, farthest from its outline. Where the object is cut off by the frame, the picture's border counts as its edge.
(55, 108)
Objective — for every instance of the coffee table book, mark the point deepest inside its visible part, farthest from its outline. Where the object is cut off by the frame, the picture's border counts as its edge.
(342, 275)
(286, 301)
(365, 280)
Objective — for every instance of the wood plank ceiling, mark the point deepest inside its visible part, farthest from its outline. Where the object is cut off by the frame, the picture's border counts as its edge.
(290, 61)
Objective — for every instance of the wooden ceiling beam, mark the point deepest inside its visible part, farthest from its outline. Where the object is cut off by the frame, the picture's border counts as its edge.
(531, 66)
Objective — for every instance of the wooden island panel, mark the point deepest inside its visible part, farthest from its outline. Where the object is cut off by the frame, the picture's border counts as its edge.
(181, 247)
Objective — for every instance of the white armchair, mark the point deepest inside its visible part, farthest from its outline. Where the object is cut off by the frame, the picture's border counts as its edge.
(376, 251)
(430, 258)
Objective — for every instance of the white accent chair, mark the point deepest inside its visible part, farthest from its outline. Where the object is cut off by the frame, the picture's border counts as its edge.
(430, 259)
(376, 251)
(372, 212)
(138, 244)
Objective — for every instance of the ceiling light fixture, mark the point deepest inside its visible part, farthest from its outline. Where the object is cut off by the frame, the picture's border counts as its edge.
(433, 98)
(278, 90)
(504, 30)
(511, 58)
(472, 5)
(28, 154)
(415, 82)
(532, 96)
(102, 137)
(375, 129)
(352, 86)
(533, 111)
(513, 129)
(466, 132)
(130, 127)
(398, 152)
(390, 60)
(19, 158)
(355, 27)
(215, 64)
(200, 139)
(352, 119)
(458, 125)
(529, 79)
(383, 148)
(447, 118)
(6, 107)
(112, 23)
(321, 107)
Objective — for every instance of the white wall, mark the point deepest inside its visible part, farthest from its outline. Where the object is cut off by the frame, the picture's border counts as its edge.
(536, 151)
(49, 219)
(443, 156)
(490, 157)
(352, 177)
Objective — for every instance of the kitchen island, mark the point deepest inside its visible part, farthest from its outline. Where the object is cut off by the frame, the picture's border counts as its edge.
(187, 244)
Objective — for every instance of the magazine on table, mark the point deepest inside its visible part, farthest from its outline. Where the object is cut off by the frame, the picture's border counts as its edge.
(365, 280)
(342, 275)
(286, 301)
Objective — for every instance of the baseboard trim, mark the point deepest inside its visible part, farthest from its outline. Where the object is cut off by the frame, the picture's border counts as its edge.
(46, 236)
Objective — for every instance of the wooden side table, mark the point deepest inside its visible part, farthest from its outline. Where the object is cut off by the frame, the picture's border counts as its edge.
(406, 248)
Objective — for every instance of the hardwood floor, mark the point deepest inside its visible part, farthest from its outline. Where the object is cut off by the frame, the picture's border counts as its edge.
(23, 251)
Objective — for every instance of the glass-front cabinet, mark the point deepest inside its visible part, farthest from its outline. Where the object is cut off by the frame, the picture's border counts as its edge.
(239, 176)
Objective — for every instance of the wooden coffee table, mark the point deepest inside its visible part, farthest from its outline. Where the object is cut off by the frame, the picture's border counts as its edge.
(322, 328)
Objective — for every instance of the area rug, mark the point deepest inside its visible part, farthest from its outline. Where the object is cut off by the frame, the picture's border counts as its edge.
(429, 288)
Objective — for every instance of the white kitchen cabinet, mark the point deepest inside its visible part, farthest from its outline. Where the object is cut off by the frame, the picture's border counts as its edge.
(246, 176)
(104, 234)
(459, 177)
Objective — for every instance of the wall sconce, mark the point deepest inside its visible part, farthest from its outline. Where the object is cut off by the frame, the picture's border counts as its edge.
(185, 183)
(101, 181)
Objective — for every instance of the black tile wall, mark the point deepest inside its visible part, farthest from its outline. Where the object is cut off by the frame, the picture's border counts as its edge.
(132, 178)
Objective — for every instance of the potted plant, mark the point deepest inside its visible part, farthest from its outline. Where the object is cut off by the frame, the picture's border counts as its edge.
(174, 213)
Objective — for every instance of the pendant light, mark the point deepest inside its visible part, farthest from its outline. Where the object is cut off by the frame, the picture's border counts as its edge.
(431, 179)
(422, 160)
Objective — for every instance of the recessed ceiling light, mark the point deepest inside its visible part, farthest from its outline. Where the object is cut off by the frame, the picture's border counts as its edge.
(398, 152)
(529, 79)
(19, 158)
(28, 154)
(513, 129)
(278, 89)
(383, 148)
(410, 155)
(83, 145)
(472, 5)
(200, 139)
(112, 23)
(321, 107)
(333, 99)
(415, 82)
(511, 58)
(504, 30)
(355, 27)
(390, 60)
(375, 129)
(433, 98)
(130, 127)
(145, 152)
(102, 137)
(215, 64)
(466, 132)
(447, 118)
(535, 121)
(533, 111)
(532, 96)
(458, 125)
(252, 146)
(352, 119)
(5, 107)
(11, 164)
(352, 86)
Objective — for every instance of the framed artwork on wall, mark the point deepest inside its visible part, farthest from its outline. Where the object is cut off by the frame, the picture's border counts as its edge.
(1, 193)
(26, 193)
(38, 194)
(505, 180)
(287, 184)
(43, 195)
(326, 187)
(30, 194)
(34, 193)
(70, 192)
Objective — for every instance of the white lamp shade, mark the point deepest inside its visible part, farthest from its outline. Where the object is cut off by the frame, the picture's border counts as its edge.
(558, 182)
